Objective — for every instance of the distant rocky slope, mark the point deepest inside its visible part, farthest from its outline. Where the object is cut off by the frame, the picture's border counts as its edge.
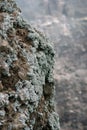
(26, 74)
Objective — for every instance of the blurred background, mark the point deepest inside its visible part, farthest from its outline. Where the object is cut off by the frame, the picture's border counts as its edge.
(65, 23)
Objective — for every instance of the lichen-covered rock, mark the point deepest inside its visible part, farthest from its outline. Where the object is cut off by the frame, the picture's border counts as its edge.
(26, 77)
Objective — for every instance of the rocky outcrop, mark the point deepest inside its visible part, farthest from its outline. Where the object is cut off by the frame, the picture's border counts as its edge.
(65, 22)
(26, 74)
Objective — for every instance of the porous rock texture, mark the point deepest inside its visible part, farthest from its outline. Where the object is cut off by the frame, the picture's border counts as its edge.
(26, 74)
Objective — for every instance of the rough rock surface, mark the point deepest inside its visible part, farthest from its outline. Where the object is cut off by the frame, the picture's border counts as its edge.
(26, 74)
(65, 22)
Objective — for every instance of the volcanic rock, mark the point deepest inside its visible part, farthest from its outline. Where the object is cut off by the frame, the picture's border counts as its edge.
(26, 74)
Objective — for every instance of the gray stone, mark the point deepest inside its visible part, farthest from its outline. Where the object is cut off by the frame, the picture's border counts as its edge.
(26, 73)
(3, 100)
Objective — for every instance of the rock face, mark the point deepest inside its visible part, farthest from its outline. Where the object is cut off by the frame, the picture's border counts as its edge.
(65, 22)
(26, 74)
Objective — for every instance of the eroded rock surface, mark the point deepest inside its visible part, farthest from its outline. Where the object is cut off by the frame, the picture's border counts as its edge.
(65, 22)
(26, 77)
